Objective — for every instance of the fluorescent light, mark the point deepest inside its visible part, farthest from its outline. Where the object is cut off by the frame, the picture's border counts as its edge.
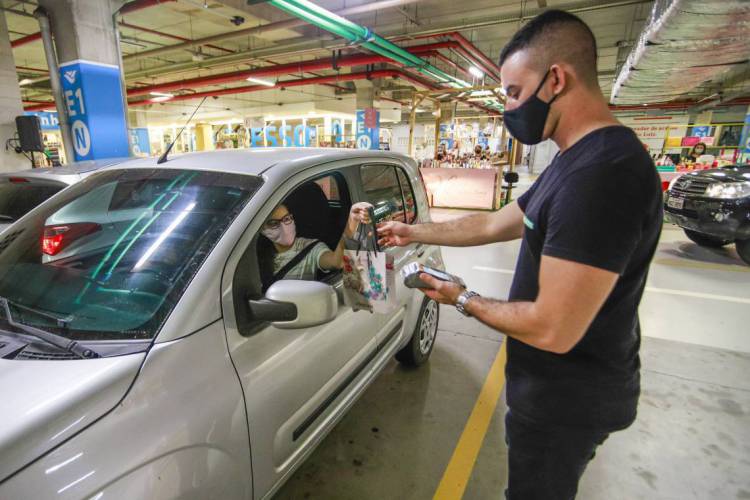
(476, 72)
(25, 81)
(260, 81)
(176, 222)
(161, 96)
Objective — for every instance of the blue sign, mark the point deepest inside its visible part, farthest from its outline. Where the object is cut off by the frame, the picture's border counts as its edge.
(93, 97)
(140, 142)
(367, 138)
(702, 131)
(337, 131)
(285, 136)
(48, 120)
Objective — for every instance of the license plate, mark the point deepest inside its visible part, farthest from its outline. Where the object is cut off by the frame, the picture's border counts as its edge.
(676, 203)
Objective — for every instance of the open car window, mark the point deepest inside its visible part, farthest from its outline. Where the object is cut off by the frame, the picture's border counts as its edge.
(113, 254)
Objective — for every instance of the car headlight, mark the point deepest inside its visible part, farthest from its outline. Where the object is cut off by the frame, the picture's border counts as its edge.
(728, 190)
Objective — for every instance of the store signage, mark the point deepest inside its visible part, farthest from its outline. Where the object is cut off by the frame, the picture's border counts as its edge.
(652, 130)
(689, 142)
(367, 137)
(48, 120)
(702, 131)
(93, 97)
(284, 136)
(337, 131)
(139, 141)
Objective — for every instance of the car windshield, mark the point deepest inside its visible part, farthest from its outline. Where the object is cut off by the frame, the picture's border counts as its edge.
(111, 256)
(18, 196)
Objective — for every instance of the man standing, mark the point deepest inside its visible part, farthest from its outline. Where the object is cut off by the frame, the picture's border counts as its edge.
(590, 226)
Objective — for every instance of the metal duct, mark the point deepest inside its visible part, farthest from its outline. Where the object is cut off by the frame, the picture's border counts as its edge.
(685, 44)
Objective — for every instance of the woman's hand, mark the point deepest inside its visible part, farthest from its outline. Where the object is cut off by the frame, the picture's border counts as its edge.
(357, 215)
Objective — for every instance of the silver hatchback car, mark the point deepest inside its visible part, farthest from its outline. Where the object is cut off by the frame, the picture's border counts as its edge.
(140, 356)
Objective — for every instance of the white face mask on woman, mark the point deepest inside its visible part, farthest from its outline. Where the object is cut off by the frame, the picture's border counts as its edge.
(283, 235)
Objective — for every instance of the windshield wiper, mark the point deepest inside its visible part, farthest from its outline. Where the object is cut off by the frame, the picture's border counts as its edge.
(7, 218)
(54, 339)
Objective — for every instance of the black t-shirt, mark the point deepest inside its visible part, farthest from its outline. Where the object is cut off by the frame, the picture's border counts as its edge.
(599, 203)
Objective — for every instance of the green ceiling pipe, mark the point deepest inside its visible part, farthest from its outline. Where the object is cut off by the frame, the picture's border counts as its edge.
(344, 28)
(365, 34)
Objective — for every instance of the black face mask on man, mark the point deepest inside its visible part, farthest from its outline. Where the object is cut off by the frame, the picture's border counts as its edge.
(526, 122)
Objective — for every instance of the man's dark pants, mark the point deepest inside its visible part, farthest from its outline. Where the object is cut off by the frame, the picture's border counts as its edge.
(544, 462)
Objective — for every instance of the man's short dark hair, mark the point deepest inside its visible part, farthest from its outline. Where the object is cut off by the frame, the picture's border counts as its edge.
(557, 36)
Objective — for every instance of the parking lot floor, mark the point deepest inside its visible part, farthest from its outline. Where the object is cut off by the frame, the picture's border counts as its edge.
(691, 439)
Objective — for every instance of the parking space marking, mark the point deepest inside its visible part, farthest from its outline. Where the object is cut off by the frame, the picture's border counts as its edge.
(652, 289)
(458, 472)
(735, 268)
(494, 270)
(698, 295)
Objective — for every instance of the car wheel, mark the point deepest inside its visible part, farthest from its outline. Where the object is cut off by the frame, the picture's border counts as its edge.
(419, 348)
(705, 240)
(743, 248)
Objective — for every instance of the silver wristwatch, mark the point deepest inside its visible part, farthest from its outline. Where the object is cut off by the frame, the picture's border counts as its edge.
(463, 299)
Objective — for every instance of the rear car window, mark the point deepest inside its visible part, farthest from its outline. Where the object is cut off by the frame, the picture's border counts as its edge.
(388, 189)
(113, 254)
(19, 197)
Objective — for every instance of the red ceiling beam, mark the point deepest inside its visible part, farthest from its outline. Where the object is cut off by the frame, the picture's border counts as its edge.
(281, 69)
(317, 80)
(25, 39)
(126, 9)
(137, 5)
(168, 35)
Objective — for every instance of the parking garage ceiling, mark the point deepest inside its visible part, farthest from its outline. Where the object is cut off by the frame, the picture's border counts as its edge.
(190, 46)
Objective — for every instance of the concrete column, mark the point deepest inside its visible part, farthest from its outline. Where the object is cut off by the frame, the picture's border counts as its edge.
(91, 76)
(10, 102)
(204, 140)
(365, 94)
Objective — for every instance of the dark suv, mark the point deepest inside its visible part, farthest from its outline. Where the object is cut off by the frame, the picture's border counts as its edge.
(713, 207)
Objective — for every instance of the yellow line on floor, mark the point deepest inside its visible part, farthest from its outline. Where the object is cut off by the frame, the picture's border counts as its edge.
(457, 474)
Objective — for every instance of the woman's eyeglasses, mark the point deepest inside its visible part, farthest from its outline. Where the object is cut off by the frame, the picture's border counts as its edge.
(275, 223)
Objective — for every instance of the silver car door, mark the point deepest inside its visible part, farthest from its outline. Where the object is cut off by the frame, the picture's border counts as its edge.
(296, 382)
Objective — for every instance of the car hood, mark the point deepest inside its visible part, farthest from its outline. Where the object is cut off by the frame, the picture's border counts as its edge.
(732, 174)
(45, 402)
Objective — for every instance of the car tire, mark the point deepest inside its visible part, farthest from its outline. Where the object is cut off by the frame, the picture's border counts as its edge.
(705, 240)
(422, 340)
(743, 248)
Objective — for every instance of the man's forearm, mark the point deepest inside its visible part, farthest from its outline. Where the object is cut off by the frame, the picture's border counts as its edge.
(473, 230)
(518, 320)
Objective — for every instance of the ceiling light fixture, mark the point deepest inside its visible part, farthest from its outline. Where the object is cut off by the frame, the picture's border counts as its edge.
(476, 72)
(260, 81)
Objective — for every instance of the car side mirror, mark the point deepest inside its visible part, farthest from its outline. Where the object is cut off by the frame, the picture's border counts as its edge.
(293, 304)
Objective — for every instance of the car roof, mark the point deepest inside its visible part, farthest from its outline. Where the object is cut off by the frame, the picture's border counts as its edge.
(258, 161)
(68, 173)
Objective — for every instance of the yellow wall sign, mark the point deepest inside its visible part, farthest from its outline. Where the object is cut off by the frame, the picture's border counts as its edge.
(673, 142)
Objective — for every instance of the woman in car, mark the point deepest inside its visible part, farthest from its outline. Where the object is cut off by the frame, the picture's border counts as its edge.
(293, 257)
(695, 153)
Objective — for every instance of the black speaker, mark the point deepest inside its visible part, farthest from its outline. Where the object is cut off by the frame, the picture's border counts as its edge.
(30, 133)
